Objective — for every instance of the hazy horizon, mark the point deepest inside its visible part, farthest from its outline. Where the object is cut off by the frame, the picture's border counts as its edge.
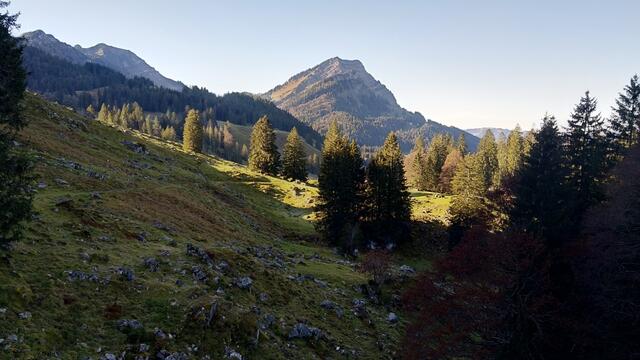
(492, 65)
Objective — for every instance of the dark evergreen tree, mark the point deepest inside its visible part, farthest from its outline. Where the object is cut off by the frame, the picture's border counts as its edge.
(461, 145)
(625, 122)
(192, 136)
(488, 158)
(294, 161)
(15, 166)
(263, 152)
(387, 199)
(436, 155)
(541, 194)
(587, 157)
(340, 184)
(419, 166)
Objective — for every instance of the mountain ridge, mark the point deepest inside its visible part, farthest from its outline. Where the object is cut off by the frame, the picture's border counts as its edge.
(123, 61)
(343, 90)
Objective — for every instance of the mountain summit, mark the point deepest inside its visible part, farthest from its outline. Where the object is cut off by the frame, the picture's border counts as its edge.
(344, 91)
(120, 60)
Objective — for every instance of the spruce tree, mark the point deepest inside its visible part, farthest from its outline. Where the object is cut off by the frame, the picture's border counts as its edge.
(15, 165)
(439, 148)
(294, 162)
(419, 166)
(263, 152)
(103, 115)
(625, 122)
(387, 199)
(192, 134)
(461, 145)
(340, 183)
(510, 155)
(488, 158)
(540, 205)
(587, 158)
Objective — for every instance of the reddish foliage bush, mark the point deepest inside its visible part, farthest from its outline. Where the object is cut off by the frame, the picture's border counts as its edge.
(461, 307)
(376, 263)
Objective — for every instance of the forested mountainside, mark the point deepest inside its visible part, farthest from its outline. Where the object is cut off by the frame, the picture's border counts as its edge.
(343, 91)
(81, 85)
(120, 60)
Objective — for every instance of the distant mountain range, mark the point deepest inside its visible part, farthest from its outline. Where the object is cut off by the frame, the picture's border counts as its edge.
(120, 60)
(344, 91)
(479, 132)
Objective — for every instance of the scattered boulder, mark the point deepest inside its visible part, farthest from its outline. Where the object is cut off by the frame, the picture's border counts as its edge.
(302, 331)
(199, 274)
(244, 282)
(125, 325)
(359, 308)
(143, 348)
(406, 269)
(199, 253)
(75, 275)
(62, 201)
(392, 317)
(135, 147)
(24, 315)
(108, 356)
(42, 185)
(152, 264)
(328, 304)
(126, 273)
(61, 182)
(267, 321)
(230, 353)
(263, 297)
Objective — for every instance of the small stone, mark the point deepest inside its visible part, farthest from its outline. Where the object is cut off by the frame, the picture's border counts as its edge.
(230, 353)
(126, 273)
(24, 315)
(108, 356)
(327, 304)
(124, 325)
(199, 274)
(264, 297)
(61, 182)
(244, 282)
(392, 317)
(302, 331)
(407, 269)
(143, 348)
(42, 185)
(152, 264)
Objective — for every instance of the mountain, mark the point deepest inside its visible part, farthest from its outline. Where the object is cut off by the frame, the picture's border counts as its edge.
(120, 60)
(344, 91)
(479, 132)
(80, 85)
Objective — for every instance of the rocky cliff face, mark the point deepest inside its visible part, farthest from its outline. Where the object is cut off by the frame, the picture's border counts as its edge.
(344, 91)
(120, 60)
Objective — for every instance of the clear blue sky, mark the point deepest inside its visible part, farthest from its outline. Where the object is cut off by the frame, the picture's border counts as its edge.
(463, 63)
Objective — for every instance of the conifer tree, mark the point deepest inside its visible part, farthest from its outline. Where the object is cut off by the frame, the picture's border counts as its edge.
(419, 165)
(15, 166)
(625, 122)
(488, 158)
(439, 148)
(168, 133)
(510, 155)
(103, 115)
(541, 193)
(340, 183)
(294, 163)
(387, 199)
(587, 147)
(461, 145)
(192, 134)
(91, 111)
(123, 116)
(263, 152)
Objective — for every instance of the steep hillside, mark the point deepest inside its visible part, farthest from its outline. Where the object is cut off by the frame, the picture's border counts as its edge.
(141, 249)
(120, 60)
(479, 132)
(343, 90)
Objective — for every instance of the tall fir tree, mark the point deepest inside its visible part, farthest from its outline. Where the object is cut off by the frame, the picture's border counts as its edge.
(461, 145)
(449, 169)
(439, 148)
(540, 205)
(103, 114)
(340, 185)
(192, 134)
(263, 152)
(387, 199)
(625, 121)
(587, 157)
(510, 155)
(294, 162)
(419, 166)
(488, 158)
(15, 165)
